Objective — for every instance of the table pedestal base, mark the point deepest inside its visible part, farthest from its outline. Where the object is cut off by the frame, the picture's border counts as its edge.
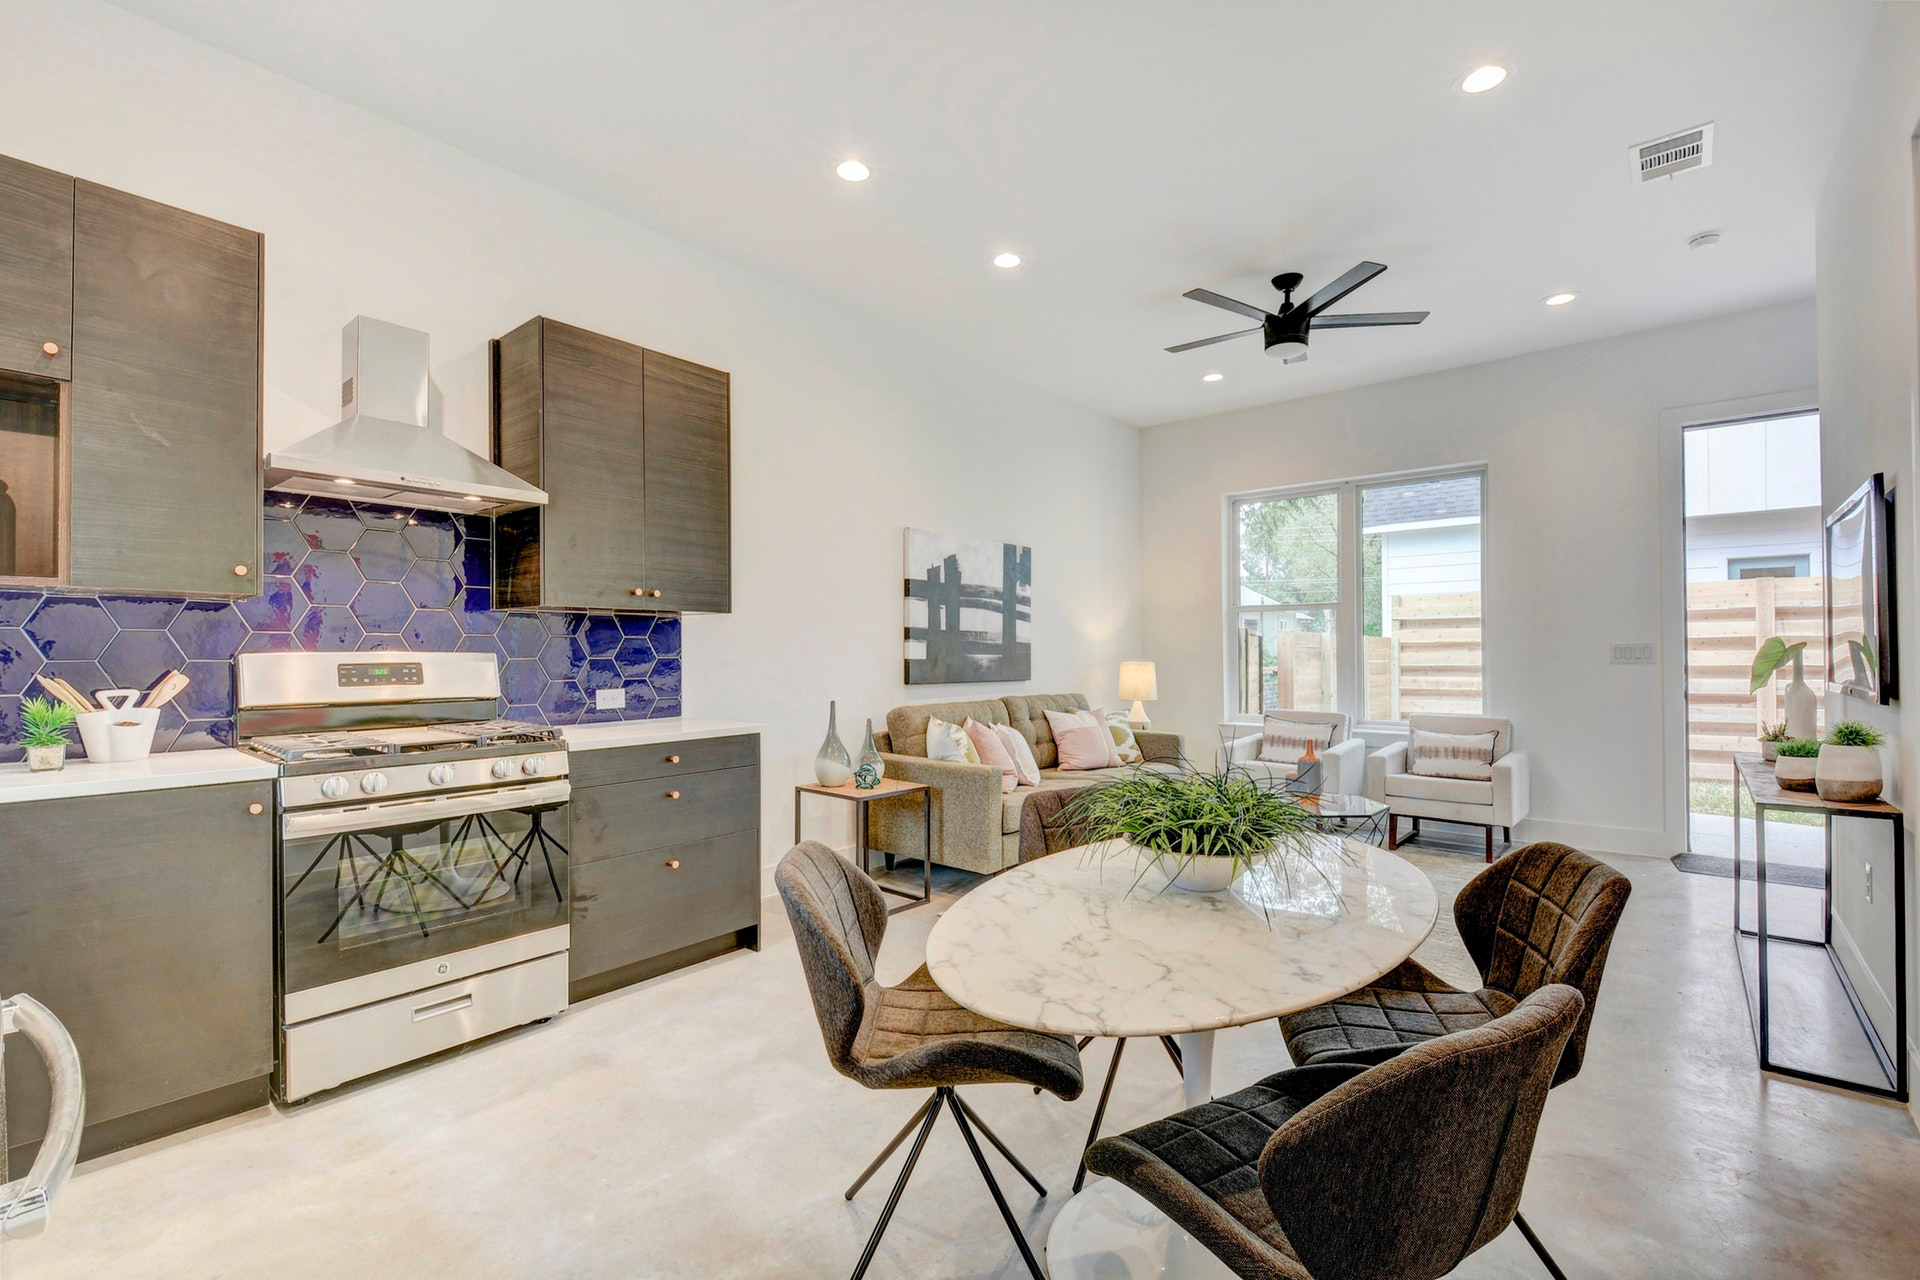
(1108, 1232)
(1196, 1065)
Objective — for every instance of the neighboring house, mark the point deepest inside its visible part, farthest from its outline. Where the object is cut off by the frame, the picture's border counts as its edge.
(1430, 540)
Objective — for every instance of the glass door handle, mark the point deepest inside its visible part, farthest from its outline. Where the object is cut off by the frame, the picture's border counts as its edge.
(372, 817)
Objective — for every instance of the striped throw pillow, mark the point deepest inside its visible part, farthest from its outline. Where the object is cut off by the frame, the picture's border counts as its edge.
(1285, 741)
(1451, 755)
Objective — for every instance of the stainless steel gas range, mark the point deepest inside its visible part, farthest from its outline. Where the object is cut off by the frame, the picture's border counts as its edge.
(421, 858)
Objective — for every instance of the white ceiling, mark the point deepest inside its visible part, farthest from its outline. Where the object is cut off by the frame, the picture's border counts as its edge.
(1133, 149)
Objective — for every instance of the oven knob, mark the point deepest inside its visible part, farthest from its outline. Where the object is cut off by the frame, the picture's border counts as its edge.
(534, 766)
(503, 768)
(334, 788)
(374, 782)
(440, 775)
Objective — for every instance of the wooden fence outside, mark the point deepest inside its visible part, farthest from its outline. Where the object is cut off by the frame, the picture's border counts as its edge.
(1432, 662)
(1726, 621)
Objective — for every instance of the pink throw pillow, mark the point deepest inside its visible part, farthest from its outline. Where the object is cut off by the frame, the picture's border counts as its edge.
(991, 752)
(1081, 739)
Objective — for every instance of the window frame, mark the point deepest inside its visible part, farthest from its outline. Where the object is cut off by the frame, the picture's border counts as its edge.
(1348, 619)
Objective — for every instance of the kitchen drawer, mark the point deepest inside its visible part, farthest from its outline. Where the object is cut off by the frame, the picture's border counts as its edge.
(664, 759)
(632, 908)
(609, 821)
(345, 1046)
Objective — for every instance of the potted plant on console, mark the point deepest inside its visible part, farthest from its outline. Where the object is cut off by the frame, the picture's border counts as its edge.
(1848, 768)
(1795, 765)
(43, 732)
(1771, 736)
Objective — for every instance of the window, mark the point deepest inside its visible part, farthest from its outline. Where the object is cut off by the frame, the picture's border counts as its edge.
(1741, 568)
(1362, 597)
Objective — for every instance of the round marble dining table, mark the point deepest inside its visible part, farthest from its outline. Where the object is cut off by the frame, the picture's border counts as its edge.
(1095, 942)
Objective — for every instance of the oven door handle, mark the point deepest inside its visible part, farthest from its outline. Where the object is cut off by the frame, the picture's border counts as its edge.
(371, 817)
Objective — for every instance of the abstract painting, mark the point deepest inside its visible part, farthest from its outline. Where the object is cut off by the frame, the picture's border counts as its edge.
(969, 609)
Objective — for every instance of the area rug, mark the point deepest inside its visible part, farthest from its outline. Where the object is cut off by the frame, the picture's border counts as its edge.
(1706, 864)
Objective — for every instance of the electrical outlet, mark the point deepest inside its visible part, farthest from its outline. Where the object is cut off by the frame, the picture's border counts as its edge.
(1630, 655)
(609, 699)
(1869, 884)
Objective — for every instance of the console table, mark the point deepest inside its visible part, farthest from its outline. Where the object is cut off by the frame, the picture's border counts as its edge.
(1757, 777)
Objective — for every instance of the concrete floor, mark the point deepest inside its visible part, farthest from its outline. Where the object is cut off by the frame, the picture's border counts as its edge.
(692, 1128)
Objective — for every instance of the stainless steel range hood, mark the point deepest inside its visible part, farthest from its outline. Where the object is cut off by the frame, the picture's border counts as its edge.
(383, 451)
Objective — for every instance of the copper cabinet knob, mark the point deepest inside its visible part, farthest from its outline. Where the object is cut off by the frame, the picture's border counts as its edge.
(640, 591)
(239, 571)
(673, 864)
(655, 593)
(51, 348)
(673, 795)
(255, 808)
(673, 759)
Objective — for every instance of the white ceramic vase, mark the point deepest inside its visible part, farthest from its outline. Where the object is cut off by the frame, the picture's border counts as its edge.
(1802, 707)
(1796, 773)
(1203, 874)
(1848, 775)
(1769, 750)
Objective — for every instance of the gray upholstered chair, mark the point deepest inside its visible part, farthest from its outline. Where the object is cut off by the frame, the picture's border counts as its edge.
(1344, 1172)
(1542, 914)
(910, 1036)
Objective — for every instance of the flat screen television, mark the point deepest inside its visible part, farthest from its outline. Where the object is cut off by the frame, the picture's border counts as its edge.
(1862, 652)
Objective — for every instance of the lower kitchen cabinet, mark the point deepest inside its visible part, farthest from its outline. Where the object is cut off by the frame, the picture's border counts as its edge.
(665, 857)
(144, 921)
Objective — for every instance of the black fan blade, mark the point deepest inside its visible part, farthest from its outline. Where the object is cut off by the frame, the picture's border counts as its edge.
(1207, 342)
(1213, 299)
(1369, 319)
(1340, 288)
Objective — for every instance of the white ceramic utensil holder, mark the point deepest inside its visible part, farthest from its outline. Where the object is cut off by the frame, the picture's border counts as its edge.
(121, 732)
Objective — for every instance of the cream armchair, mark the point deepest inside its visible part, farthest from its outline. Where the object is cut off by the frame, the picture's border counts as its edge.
(1343, 765)
(1501, 802)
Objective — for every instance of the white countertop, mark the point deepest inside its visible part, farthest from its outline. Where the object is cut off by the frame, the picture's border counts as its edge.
(639, 733)
(156, 773)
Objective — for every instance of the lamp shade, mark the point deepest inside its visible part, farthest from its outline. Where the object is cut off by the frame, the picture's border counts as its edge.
(1137, 682)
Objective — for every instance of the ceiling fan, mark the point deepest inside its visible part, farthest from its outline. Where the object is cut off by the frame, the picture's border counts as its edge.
(1286, 330)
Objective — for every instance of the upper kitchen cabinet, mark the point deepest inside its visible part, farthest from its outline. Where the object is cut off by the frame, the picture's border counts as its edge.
(633, 450)
(36, 270)
(166, 399)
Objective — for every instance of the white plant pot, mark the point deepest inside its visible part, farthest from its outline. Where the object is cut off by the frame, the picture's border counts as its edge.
(1769, 751)
(1848, 775)
(1201, 874)
(1796, 773)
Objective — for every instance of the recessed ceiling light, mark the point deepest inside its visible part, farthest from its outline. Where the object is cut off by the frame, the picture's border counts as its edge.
(1559, 299)
(1481, 79)
(1006, 260)
(471, 497)
(853, 171)
(1212, 377)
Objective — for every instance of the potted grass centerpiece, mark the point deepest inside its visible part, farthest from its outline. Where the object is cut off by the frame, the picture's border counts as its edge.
(1795, 761)
(43, 732)
(1848, 768)
(1200, 829)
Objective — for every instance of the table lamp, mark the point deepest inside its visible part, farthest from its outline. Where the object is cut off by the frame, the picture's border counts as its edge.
(1138, 685)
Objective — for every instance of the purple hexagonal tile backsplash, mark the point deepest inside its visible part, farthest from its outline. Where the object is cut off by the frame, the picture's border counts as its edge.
(339, 576)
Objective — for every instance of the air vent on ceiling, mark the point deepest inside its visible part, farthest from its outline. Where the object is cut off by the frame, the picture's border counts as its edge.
(1675, 153)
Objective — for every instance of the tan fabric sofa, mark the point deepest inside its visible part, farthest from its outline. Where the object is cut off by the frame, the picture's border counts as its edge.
(975, 826)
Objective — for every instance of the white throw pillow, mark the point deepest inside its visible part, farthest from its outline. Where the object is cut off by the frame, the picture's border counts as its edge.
(1285, 741)
(1025, 767)
(1451, 755)
(1124, 743)
(948, 741)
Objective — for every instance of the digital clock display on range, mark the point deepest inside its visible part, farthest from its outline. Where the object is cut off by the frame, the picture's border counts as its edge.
(355, 675)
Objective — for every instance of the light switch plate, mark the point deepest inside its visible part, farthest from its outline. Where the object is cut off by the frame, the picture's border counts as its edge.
(1630, 655)
(609, 699)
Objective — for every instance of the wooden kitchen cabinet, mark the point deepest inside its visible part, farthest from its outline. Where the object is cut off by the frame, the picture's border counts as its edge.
(145, 922)
(36, 270)
(665, 858)
(633, 448)
(165, 399)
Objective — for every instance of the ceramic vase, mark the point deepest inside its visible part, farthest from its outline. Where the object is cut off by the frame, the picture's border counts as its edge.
(1796, 773)
(868, 772)
(1202, 874)
(1847, 775)
(1802, 707)
(47, 759)
(832, 767)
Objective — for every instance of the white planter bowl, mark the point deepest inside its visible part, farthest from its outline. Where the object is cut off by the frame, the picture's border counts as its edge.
(1200, 875)
(1848, 775)
(1769, 751)
(1796, 773)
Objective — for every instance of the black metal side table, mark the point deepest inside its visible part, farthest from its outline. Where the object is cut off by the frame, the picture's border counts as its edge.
(1766, 793)
(862, 801)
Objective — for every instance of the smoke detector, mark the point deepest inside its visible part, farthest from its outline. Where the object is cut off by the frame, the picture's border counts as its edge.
(1675, 153)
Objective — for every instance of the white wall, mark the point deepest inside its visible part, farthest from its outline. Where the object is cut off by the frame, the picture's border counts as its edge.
(1869, 381)
(1574, 518)
(845, 431)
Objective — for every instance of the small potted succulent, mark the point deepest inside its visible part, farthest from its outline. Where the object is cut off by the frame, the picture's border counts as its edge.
(43, 732)
(1848, 770)
(1795, 763)
(1771, 736)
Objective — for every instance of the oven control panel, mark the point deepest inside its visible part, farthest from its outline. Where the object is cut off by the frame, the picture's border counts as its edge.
(359, 675)
(377, 779)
